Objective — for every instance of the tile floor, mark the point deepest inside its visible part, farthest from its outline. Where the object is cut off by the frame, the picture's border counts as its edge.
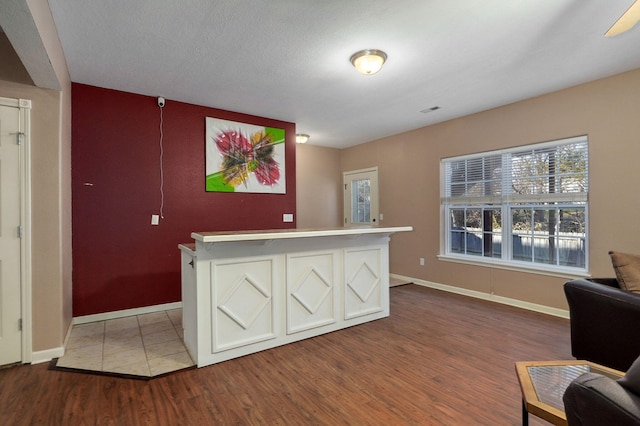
(142, 345)
(394, 282)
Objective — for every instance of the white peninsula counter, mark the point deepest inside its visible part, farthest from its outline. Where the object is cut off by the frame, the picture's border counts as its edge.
(247, 291)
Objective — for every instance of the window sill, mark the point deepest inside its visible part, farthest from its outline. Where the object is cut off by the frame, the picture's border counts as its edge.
(518, 267)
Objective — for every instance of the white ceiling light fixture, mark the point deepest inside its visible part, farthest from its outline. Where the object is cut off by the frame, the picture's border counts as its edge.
(368, 61)
(626, 21)
(302, 138)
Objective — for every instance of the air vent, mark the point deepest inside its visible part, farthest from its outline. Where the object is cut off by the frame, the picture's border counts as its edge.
(428, 110)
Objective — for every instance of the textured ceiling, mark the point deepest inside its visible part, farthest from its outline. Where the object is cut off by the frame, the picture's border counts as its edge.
(289, 59)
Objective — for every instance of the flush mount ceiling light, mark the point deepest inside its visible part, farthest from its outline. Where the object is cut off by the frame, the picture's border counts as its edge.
(302, 138)
(368, 61)
(626, 21)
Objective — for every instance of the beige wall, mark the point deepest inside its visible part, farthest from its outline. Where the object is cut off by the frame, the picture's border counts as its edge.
(48, 326)
(318, 182)
(47, 29)
(50, 187)
(606, 110)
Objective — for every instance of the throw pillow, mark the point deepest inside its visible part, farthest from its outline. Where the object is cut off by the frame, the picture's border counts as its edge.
(627, 267)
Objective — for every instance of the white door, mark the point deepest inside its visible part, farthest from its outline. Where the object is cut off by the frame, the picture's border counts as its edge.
(10, 303)
(361, 197)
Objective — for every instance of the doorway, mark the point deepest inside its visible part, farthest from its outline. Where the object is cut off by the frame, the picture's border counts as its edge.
(361, 197)
(14, 208)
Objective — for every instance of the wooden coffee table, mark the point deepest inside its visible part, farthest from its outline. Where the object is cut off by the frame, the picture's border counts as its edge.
(544, 382)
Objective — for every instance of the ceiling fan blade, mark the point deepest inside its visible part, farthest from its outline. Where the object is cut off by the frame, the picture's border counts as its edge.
(626, 21)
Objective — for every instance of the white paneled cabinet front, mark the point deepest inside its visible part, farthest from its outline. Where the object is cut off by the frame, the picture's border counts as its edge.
(363, 272)
(312, 297)
(242, 301)
(244, 293)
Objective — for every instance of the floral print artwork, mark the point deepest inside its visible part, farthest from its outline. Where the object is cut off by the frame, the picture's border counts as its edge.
(242, 157)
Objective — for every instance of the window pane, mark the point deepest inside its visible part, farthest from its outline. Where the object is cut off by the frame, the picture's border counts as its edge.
(496, 249)
(457, 241)
(475, 231)
(474, 243)
(458, 177)
(543, 221)
(361, 201)
(550, 170)
(457, 218)
(497, 220)
(458, 189)
(492, 237)
(572, 237)
(572, 168)
(474, 219)
(543, 250)
(493, 175)
(457, 231)
(571, 252)
(522, 245)
(522, 222)
(572, 221)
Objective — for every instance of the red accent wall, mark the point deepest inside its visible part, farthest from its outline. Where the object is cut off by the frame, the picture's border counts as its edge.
(120, 260)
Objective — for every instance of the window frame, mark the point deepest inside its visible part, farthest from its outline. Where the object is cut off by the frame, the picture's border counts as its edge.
(506, 202)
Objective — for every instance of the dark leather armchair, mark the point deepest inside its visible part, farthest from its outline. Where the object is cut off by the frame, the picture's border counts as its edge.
(605, 322)
(596, 400)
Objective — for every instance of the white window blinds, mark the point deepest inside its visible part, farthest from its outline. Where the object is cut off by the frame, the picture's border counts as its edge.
(552, 172)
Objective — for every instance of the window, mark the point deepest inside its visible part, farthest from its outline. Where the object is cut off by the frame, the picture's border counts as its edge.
(524, 206)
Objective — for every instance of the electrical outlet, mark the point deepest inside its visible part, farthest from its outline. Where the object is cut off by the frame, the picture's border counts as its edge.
(422, 261)
(155, 219)
(381, 217)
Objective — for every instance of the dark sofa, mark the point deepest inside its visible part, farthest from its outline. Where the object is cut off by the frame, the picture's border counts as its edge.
(596, 400)
(605, 322)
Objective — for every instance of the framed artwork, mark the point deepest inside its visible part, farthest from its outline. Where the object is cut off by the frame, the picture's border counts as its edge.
(242, 157)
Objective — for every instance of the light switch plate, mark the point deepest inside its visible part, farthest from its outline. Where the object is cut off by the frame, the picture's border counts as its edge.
(155, 219)
(287, 217)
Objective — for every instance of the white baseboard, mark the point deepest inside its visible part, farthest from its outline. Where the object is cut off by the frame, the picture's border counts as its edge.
(125, 313)
(46, 355)
(562, 313)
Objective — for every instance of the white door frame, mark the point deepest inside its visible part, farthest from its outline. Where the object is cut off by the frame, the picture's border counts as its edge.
(24, 125)
(375, 200)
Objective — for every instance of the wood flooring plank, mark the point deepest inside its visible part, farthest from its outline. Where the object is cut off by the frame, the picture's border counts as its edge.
(439, 359)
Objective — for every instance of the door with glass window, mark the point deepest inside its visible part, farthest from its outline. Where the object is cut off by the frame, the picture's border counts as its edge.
(361, 197)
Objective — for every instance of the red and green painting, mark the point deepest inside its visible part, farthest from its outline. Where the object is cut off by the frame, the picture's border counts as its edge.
(242, 157)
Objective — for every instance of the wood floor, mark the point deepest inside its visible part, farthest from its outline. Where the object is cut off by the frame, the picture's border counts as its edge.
(439, 359)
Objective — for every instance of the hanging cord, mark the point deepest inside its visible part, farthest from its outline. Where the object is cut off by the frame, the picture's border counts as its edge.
(161, 166)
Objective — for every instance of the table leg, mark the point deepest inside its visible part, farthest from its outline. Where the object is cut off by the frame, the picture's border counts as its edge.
(525, 414)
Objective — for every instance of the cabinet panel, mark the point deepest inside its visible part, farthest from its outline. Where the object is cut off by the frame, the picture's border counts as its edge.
(311, 290)
(363, 281)
(242, 302)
